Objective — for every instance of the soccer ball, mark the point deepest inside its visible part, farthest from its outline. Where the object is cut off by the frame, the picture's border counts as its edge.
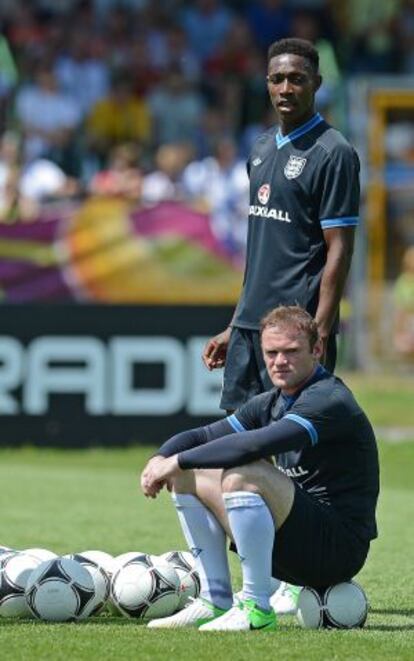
(121, 560)
(60, 590)
(142, 589)
(183, 563)
(15, 570)
(101, 582)
(341, 606)
(41, 554)
(103, 559)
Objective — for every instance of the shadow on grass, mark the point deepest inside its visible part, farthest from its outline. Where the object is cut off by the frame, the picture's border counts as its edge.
(408, 612)
(390, 627)
(404, 612)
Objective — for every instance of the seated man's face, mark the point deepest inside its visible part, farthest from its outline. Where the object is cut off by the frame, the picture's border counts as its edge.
(288, 357)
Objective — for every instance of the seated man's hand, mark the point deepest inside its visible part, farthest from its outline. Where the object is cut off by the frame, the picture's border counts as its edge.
(157, 474)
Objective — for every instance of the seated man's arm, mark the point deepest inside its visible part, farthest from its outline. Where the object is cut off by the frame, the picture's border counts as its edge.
(192, 438)
(244, 447)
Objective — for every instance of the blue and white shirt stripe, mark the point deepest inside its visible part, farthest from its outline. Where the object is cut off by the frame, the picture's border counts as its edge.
(345, 221)
(306, 424)
(282, 140)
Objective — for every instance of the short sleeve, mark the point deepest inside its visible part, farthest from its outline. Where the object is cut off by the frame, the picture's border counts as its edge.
(251, 415)
(325, 416)
(339, 188)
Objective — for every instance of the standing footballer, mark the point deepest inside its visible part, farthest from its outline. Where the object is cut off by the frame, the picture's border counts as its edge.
(304, 205)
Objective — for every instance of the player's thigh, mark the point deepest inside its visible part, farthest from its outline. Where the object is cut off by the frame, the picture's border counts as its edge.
(262, 477)
(315, 546)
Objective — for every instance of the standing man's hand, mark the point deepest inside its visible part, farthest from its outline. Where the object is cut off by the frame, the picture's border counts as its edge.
(215, 351)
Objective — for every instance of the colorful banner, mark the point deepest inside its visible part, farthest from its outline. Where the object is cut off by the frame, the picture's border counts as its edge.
(103, 251)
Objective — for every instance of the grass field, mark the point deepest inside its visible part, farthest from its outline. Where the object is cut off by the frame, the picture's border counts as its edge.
(71, 501)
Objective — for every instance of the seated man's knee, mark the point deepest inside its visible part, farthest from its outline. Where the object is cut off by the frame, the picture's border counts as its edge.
(258, 477)
(240, 478)
(184, 482)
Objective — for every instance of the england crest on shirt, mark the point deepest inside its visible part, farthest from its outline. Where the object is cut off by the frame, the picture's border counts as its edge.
(264, 194)
(294, 166)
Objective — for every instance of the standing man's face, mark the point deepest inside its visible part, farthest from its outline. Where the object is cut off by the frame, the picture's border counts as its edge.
(288, 357)
(292, 86)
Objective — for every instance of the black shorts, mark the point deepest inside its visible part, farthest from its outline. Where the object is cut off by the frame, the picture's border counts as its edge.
(315, 546)
(245, 373)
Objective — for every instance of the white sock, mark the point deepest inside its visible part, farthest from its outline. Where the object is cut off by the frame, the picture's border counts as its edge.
(206, 539)
(253, 530)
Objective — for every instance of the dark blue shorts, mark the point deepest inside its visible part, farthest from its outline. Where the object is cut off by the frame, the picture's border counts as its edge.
(316, 546)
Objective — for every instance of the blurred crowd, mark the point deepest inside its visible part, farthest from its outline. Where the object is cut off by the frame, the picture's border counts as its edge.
(161, 100)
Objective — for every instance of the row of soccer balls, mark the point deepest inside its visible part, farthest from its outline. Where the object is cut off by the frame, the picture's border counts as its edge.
(38, 583)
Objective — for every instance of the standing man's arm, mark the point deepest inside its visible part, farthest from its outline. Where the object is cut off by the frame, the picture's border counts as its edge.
(340, 245)
(215, 351)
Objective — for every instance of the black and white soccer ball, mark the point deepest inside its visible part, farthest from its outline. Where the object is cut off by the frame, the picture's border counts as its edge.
(41, 554)
(184, 564)
(101, 580)
(60, 590)
(15, 570)
(341, 606)
(143, 589)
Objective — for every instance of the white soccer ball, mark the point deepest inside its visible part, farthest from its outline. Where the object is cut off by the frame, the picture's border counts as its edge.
(41, 554)
(103, 559)
(142, 590)
(184, 564)
(6, 549)
(15, 570)
(123, 558)
(341, 606)
(101, 582)
(60, 590)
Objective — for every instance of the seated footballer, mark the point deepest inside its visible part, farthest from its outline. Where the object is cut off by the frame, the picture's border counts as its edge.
(307, 520)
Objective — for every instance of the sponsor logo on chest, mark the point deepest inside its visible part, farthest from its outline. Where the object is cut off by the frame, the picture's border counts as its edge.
(262, 211)
(294, 166)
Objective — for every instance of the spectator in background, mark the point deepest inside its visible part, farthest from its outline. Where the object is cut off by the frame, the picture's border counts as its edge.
(122, 177)
(405, 36)
(219, 185)
(8, 76)
(305, 25)
(165, 182)
(369, 35)
(49, 120)
(80, 74)
(403, 294)
(121, 116)
(176, 107)
(24, 189)
(9, 176)
(206, 23)
(268, 20)
(178, 54)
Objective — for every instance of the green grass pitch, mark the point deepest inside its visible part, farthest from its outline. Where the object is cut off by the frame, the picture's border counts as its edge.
(74, 501)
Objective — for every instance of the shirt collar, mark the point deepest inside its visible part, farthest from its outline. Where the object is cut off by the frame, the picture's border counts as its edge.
(316, 375)
(282, 140)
